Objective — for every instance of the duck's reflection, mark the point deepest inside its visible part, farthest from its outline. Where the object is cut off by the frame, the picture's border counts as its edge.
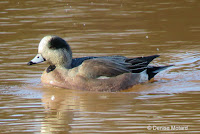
(60, 108)
(69, 110)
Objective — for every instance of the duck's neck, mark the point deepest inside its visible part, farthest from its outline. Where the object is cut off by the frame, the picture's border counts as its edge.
(68, 63)
(64, 64)
(62, 60)
(68, 59)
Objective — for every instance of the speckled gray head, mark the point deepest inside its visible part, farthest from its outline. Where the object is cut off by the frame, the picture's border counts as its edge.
(54, 50)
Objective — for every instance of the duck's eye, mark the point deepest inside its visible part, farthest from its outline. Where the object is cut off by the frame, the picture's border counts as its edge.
(38, 57)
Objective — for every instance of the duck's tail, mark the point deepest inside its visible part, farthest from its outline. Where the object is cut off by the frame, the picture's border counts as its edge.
(152, 70)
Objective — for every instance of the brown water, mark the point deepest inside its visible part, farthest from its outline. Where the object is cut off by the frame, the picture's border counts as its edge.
(107, 27)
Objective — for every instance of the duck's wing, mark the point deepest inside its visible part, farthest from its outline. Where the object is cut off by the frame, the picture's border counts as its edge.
(134, 65)
(110, 66)
(139, 64)
(97, 67)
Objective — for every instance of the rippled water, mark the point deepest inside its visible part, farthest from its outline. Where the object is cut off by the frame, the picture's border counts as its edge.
(107, 27)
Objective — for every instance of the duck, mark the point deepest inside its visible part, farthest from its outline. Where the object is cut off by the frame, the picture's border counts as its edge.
(91, 73)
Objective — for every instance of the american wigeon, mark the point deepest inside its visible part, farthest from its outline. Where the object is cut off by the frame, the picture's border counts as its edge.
(106, 73)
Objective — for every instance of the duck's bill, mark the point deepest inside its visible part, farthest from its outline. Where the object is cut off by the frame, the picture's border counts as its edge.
(38, 59)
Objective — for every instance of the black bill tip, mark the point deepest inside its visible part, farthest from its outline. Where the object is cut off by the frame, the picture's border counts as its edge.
(30, 63)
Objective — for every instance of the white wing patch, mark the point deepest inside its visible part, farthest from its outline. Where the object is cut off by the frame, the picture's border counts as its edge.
(103, 77)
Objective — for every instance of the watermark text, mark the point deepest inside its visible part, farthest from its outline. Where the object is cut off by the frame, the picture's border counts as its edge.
(167, 128)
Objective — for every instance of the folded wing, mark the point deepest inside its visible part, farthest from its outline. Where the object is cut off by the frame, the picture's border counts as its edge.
(111, 66)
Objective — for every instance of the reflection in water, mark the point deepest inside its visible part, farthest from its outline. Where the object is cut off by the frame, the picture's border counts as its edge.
(108, 27)
(84, 112)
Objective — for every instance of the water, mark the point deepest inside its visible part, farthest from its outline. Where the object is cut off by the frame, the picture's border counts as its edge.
(95, 28)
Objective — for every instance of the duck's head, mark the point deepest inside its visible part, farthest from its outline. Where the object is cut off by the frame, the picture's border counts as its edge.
(55, 51)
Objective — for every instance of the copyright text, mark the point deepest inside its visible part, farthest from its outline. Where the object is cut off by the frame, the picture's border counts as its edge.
(167, 128)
